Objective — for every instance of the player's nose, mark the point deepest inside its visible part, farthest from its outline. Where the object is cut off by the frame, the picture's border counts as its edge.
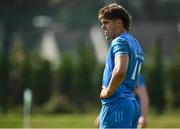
(103, 26)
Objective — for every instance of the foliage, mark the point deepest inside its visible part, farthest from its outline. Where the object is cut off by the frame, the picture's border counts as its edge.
(79, 76)
(65, 75)
(174, 74)
(83, 16)
(41, 79)
(85, 73)
(78, 79)
(4, 89)
(163, 10)
(155, 78)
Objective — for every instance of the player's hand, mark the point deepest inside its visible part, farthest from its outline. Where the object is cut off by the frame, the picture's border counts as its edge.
(142, 122)
(105, 93)
(96, 122)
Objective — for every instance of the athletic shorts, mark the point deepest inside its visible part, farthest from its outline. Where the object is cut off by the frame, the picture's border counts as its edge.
(120, 114)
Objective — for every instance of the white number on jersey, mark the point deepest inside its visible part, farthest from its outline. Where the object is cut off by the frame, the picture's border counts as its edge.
(136, 69)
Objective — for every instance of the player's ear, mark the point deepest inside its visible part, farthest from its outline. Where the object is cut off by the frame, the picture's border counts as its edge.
(119, 21)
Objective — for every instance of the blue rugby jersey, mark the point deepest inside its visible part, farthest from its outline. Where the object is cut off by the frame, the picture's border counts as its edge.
(141, 84)
(123, 44)
(141, 81)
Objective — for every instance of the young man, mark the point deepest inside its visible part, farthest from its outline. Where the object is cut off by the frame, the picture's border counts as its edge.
(123, 64)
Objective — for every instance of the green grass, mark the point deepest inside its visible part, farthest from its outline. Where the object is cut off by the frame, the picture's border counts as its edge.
(168, 120)
(64, 121)
(49, 121)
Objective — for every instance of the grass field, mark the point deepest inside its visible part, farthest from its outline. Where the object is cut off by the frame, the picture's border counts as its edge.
(168, 120)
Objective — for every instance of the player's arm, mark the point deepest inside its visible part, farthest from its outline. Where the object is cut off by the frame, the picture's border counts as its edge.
(144, 103)
(118, 75)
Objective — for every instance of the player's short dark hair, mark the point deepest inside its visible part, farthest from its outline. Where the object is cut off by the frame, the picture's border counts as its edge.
(114, 11)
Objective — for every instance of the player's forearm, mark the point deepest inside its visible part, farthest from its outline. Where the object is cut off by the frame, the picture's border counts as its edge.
(143, 120)
(118, 76)
(119, 72)
(144, 102)
(144, 110)
(145, 106)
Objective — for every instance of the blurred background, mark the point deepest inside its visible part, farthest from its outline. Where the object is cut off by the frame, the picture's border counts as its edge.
(52, 56)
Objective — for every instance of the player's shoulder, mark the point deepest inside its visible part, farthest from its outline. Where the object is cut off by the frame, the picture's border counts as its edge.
(119, 40)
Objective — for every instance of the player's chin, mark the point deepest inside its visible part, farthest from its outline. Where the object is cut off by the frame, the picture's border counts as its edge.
(108, 37)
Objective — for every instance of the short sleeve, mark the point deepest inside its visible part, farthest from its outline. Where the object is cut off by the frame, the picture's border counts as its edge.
(120, 47)
(141, 81)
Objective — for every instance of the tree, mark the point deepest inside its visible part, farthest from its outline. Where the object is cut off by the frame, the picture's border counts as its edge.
(156, 86)
(174, 75)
